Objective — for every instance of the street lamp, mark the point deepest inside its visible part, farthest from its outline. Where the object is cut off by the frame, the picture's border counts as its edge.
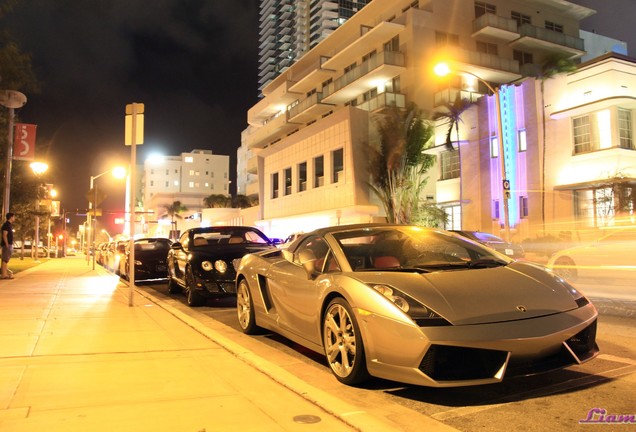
(10, 99)
(110, 239)
(117, 172)
(38, 168)
(442, 69)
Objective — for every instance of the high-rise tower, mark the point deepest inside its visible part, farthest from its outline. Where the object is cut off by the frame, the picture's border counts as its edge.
(290, 28)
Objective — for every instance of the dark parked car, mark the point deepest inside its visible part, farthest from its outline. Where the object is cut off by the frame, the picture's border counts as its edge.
(203, 262)
(150, 259)
(494, 242)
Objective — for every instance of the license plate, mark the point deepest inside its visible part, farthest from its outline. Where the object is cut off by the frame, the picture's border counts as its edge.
(510, 252)
(162, 268)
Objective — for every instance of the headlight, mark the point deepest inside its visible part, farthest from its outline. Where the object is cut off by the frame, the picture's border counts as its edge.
(419, 313)
(137, 262)
(206, 265)
(220, 266)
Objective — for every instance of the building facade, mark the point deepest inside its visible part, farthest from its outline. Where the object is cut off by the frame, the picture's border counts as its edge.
(306, 146)
(187, 178)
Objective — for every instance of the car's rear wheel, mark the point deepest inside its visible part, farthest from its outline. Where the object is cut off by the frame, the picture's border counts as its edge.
(193, 298)
(245, 309)
(343, 343)
(566, 268)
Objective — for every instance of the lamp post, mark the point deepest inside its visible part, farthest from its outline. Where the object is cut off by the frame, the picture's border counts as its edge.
(10, 99)
(107, 235)
(38, 168)
(443, 69)
(118, 172)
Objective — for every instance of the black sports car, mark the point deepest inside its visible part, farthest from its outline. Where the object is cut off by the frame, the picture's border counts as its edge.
(150, 259)
(203, 262)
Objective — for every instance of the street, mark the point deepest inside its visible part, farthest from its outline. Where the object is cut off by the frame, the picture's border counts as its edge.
(550, 402)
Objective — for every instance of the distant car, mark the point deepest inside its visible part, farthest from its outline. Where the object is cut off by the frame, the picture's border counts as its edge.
(114, 254)
(494, 242)
(289, 240)
(415, 305)
(150, 259)
(203, 262)
(613, 256)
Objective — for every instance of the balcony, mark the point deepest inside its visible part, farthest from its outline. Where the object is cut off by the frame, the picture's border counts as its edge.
(252, 165)
(382, 101)
(449, 95)
(261, 136)
(488, 67)
(542, 39)
(495, 27)
(308, 109)
(377, 70)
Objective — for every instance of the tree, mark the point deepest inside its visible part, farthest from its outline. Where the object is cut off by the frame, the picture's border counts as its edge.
(452, 113)
(551, 67)
(242, 201)
(174, 212)
(217, 201)
(398, 167)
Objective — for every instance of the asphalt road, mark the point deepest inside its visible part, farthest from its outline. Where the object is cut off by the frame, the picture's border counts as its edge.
(555, 401)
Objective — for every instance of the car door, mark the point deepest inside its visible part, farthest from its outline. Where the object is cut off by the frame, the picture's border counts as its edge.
(180, 257)
(295, 294)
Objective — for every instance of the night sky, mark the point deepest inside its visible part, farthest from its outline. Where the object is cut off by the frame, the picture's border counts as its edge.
(193, 63)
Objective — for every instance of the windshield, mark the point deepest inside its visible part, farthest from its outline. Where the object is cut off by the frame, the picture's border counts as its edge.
(413, 248)
(224, 236)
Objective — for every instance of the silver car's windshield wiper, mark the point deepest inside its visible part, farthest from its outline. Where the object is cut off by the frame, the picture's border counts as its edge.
(475, 264)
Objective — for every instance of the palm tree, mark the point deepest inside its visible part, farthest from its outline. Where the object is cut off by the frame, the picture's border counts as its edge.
(551, 67)
(217, 201)
(174, 211)
(452, 113)
(241, 201)
(397, 168)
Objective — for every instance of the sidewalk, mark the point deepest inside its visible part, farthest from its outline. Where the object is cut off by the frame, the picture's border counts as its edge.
(74, 356)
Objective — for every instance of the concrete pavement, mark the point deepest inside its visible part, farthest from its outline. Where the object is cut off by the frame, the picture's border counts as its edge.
(74, 356)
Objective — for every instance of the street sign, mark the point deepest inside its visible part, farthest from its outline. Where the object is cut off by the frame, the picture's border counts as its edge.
(506, 184)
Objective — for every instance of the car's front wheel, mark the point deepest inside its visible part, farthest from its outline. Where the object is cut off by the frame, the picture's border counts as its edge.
(245, 309)
(193, 298)
(566, 268)
(343, 343)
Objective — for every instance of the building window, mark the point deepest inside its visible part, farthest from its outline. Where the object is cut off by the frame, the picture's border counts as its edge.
(494, 147)
(274, 185)
(366, 96)
(302, 176)
(522, 57)
(352, 102)
(349, 68)
(495, 209)
(190, 184)
(520, 18)
(487, 48)
(523, 207)
(443, 39)
(176, 183)
(625, 129)
(167, 172)
(188, 159)
(288, 181)
(393, 44)
(191, 172)
(554, 26)
(482, 8)
(582, 133)
(152, 182)
(453, 218)
(521, 137)
(337, 161)
(369, 56)
(167, 184)
(449, 162)
(319, 171)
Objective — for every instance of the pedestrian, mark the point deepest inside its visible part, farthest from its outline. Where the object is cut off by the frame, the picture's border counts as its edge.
(7, 245)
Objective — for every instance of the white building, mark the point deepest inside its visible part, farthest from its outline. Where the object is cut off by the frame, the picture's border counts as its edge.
(305, 145)
(188, 178)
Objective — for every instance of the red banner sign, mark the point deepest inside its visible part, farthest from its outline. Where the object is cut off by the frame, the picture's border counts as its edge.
(24, 142)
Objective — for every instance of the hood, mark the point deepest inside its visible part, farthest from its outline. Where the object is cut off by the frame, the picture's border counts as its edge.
(481, 296)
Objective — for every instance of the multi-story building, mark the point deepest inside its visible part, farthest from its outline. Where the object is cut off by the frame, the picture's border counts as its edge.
(290, 28)
(306, 146)
(188, 178)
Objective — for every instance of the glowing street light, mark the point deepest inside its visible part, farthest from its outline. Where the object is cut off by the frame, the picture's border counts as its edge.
(38, 168)
(442, 69)
(117, 172)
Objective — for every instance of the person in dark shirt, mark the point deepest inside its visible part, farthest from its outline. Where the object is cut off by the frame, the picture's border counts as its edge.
(7, 245)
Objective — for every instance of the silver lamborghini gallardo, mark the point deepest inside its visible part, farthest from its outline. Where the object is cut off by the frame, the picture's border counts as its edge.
(415, 305)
